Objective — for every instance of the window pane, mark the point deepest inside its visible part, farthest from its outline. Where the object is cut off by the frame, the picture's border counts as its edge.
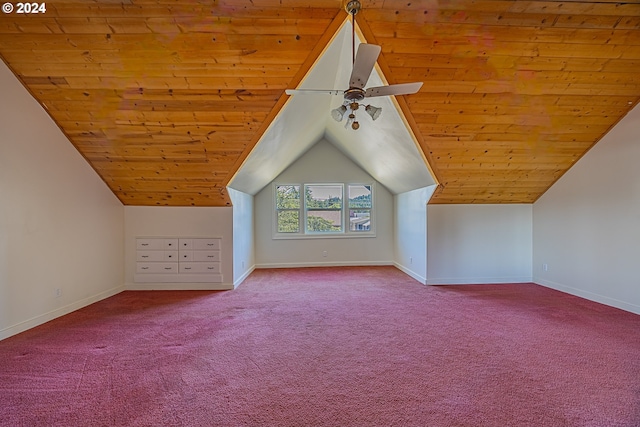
(288, 221)
(359, 219)
(324, 220)
(360, 196)
(288, 197)
(323, 208)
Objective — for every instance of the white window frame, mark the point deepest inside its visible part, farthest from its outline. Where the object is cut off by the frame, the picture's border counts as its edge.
(302, 232)
(348, 208)
(278, 210)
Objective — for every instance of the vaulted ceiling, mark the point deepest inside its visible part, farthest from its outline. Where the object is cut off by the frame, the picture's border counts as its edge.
(166, 99)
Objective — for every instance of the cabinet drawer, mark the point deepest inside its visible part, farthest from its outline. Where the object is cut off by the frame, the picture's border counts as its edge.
(186, 244)
(206, 244)
(204, 256)
(150, 256)
(157, 267)
(170, 244)
(150, 244)
(199, 267)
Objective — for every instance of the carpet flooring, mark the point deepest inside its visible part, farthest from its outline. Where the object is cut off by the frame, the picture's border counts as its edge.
(356, 346)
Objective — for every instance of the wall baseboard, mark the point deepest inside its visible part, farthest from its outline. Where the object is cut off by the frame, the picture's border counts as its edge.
(179, 286)
(478, 280)
(411, 273)
(591, 296)
(241, 279)
(325, 264)
(58, 312)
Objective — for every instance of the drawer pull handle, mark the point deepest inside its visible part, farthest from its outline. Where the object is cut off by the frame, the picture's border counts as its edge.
(144, 244)
(167, 268)
(210, 268)
(145, 268)
(187, 268)
(145, 256)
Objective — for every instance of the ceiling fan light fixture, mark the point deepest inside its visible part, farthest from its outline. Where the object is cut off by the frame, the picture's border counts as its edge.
(374, 112)
(338, 113)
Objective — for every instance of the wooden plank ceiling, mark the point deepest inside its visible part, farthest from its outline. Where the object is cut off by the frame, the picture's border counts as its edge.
(166, 98)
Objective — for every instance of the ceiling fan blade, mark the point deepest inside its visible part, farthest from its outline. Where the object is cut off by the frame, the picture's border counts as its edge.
(400, 89)
(313, 92)
(365, 60)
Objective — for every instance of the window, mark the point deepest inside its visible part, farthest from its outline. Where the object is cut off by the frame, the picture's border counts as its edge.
(288, 208)
(316, 209)
(360, 207)
(323, 208)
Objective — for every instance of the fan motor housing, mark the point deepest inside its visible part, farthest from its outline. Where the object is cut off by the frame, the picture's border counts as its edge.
(354, 94)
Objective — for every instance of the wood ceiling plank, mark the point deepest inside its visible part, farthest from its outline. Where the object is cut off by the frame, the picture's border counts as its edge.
(483, 34)
(141, 58)
(539, 110)
(174, 198)
(111, 70)
(191, 9)
(615, 18)
(195, 83)
(508, 48)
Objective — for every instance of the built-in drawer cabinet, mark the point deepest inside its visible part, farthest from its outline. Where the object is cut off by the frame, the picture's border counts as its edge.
(157, 267)
(179, 260)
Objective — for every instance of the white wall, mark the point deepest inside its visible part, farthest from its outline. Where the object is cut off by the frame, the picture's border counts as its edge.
(586, 227)
(161, 221)
(324, 163)
(243, 235)
(60, 226)
(410, 226)
(479, 244)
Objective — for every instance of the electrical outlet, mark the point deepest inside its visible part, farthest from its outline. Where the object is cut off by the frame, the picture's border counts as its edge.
(242, 264)
(545, 267)
(58, 292)
(410, 260)
(324, 254)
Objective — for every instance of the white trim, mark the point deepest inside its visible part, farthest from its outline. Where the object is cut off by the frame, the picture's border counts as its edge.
(179, 286)
(478, 280)
(305, 209)
(345, 233)
(351, 235)
(325, 264)
(591, 296)
(58, 312)
(242, 278)
(411, 273)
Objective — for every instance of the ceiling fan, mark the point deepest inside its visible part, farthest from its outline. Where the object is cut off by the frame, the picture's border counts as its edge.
(363, 63)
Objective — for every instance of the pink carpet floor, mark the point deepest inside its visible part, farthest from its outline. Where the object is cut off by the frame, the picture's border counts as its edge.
(328, 347)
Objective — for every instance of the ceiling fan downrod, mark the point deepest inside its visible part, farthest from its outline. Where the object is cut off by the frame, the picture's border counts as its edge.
(353, 7)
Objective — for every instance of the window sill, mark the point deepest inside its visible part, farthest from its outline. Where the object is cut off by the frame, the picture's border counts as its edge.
(323, 236)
